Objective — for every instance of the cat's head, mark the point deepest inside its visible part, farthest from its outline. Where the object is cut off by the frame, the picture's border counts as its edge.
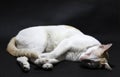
(96, 56)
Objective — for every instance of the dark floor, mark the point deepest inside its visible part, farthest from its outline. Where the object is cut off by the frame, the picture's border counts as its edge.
(98, 18)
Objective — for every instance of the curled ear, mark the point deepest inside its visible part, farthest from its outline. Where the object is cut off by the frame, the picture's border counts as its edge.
(105, 47)
(107, 66)
(104, 62)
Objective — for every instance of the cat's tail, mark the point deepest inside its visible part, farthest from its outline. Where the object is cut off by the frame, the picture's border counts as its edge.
(13, 50)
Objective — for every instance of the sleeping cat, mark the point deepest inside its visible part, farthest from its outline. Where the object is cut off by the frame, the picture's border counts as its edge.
(46, 45)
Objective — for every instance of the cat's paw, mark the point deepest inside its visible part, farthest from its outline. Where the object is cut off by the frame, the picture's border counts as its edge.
(41, 61)
(22, 61)
(47, 66)
(26, 68)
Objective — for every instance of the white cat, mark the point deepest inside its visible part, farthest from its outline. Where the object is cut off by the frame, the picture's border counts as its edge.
(47, 45)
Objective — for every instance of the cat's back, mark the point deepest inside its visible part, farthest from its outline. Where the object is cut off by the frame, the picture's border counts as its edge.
(63, 30)
(51, 35)
(52, 30)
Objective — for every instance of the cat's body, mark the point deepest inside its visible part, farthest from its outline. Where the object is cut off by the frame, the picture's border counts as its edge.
(50, 44)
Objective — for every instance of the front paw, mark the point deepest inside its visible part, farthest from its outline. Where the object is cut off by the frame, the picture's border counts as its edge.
(47, 66)
(41, 61)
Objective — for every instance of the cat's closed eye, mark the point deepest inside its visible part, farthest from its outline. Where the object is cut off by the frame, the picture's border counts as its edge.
(90, 64)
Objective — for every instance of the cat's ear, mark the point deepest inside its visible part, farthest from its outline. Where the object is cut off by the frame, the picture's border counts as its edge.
(107, 66)
(96, 50)
(105, 47)
(104, 62)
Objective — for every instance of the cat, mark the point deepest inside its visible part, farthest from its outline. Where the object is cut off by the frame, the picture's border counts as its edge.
(47, 45)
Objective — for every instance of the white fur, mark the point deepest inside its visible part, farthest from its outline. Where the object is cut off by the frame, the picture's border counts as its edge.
(53, 38)
(60, 42)
(24, 61)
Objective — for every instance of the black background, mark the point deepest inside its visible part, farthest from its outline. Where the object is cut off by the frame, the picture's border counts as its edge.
(98, 18)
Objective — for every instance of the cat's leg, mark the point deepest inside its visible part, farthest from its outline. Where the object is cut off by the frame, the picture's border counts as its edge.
(52, 57)
(44, 62)
(23, 62)
(61, 49)
(47, 59)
